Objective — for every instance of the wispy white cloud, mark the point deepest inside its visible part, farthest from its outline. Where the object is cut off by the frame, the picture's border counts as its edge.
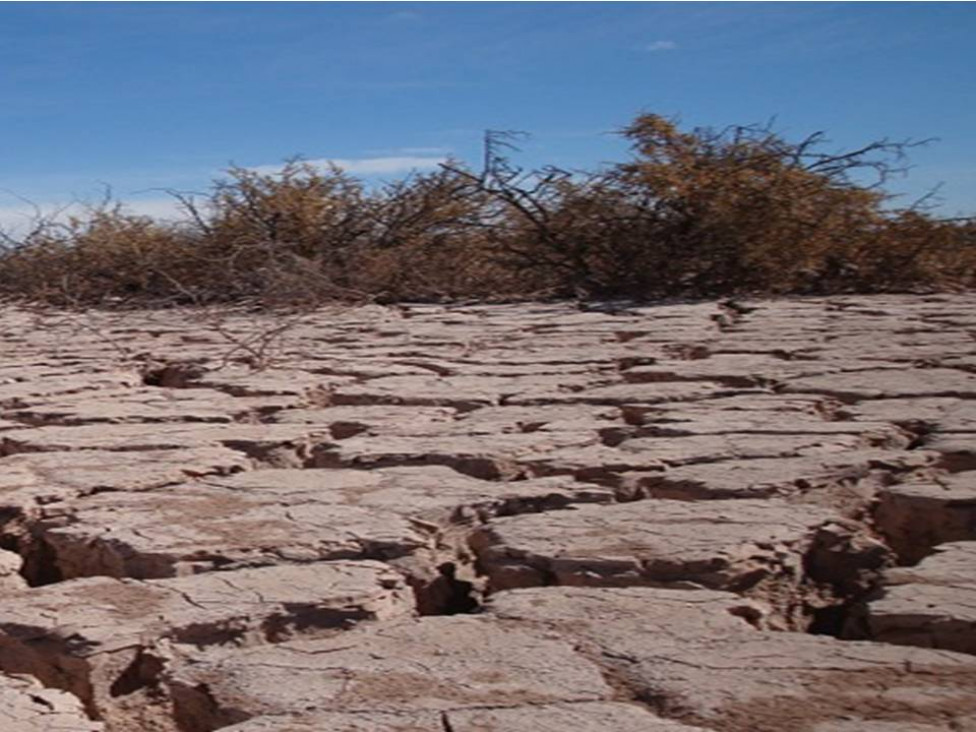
(19, 218)
(439, 152)
(657, 46)
(158, 208)
(427, 151)
(404, 15)
(368, 166)
(397, 85)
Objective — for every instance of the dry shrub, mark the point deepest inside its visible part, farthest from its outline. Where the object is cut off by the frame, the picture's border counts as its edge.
(291, 235)
(431, 242)
(740, 210)
(699, 213)
(99, 256)
(910, 251)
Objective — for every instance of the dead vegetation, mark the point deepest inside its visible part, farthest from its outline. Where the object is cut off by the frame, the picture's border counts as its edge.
(691, 214)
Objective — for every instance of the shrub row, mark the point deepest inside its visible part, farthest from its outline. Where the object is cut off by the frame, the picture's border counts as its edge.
(692, 214)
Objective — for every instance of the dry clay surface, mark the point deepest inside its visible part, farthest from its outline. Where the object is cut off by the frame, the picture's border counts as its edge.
(743, 516)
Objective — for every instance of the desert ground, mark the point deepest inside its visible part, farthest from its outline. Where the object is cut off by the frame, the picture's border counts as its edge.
(745, 516)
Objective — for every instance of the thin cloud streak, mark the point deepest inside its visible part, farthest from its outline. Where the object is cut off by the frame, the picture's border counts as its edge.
(20, 219)
(658, 46)
(366, 166)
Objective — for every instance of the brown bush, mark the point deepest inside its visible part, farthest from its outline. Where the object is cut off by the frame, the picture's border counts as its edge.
(742, 209)
(910, 250)
(699, 213)
(294, 234)
(707, 213)
(429, 242)
(101, 255)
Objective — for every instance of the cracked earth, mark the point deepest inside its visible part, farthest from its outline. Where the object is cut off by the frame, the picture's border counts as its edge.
(743, 516)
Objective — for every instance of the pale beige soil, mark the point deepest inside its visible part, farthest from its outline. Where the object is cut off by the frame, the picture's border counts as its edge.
(501, 518)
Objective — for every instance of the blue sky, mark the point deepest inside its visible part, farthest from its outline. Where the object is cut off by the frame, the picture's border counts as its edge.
(145, 96)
